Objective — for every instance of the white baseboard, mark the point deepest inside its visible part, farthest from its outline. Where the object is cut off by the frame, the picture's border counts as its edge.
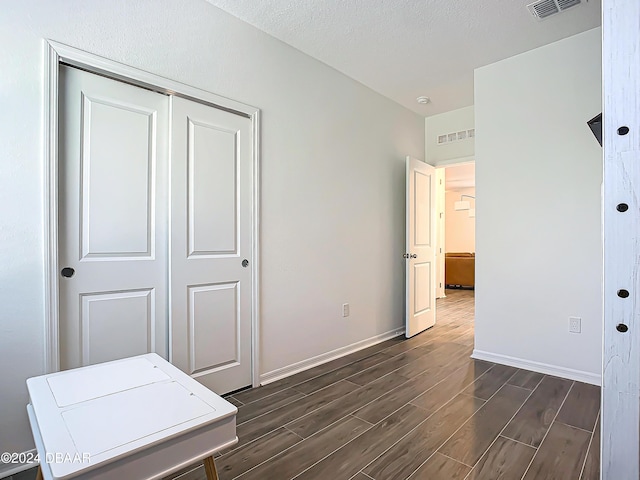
(571, 374)
(297, 367)
(8, 469)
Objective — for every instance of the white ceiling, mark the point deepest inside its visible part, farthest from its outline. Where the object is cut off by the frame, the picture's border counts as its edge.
(407, 48)
(457, 177)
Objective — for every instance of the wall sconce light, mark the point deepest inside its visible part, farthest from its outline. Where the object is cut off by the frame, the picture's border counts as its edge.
(465, 205)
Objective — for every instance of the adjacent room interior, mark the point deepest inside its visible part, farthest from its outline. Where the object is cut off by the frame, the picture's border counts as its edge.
(460, 228)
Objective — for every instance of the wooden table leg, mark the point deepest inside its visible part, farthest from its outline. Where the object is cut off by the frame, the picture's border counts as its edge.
(39, 474)
(210, 468)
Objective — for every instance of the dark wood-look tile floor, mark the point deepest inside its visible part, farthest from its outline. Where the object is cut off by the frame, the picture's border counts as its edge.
(417, 408)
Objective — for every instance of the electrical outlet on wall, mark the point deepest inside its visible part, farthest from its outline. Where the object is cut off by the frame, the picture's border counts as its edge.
(575, 324)
(345, 309)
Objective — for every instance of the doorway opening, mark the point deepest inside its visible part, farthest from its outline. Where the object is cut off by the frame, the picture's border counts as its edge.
(456, 228)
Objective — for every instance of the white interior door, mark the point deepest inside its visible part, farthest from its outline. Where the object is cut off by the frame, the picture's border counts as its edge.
(211, 244)
(420, 252)
(112, 219)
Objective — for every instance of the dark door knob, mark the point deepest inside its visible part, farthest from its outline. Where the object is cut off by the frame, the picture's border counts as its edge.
(245, 263)
(67, 272)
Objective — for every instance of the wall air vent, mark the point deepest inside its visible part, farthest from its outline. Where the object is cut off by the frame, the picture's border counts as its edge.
(545, 8)
(447, 138)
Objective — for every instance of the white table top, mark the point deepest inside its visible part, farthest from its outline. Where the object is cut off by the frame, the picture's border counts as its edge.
(104, 412)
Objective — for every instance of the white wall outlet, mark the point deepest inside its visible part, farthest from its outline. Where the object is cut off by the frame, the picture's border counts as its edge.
(575, 324)
(345, 309)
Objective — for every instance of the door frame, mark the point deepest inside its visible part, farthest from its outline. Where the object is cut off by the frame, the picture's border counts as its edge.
(56, 53)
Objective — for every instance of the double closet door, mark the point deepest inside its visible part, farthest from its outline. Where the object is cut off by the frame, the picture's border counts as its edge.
(155, 230)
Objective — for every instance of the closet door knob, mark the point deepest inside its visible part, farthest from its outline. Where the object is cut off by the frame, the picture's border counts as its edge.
(67, 272)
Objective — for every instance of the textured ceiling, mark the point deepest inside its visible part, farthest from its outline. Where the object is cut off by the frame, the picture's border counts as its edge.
(407, 48)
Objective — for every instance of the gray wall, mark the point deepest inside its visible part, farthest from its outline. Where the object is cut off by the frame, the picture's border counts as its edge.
(538, 224)
(332, 176)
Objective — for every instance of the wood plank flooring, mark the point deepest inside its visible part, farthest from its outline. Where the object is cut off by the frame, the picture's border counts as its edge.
(415, 408)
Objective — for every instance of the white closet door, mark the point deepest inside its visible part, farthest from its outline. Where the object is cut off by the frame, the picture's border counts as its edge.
(112, 219)
(211, 244)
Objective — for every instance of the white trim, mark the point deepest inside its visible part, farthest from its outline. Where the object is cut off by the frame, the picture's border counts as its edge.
(8, 469)
(620, 441)
(119, 71)
(255, 307)
(547, 369)
(298, 367)
(50, 197)
(455, 161)
(56, 53)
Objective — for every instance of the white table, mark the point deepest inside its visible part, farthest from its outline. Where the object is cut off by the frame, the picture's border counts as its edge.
(136, 418)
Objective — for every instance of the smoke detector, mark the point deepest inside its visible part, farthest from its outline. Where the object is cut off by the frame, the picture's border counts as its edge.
(423, 100)
(545, 8)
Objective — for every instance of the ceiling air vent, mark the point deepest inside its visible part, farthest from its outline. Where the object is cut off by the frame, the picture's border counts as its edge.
(545, 8)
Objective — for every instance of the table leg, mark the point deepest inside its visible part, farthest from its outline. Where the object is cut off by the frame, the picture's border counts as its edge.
(39, 474)
(210, 468)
